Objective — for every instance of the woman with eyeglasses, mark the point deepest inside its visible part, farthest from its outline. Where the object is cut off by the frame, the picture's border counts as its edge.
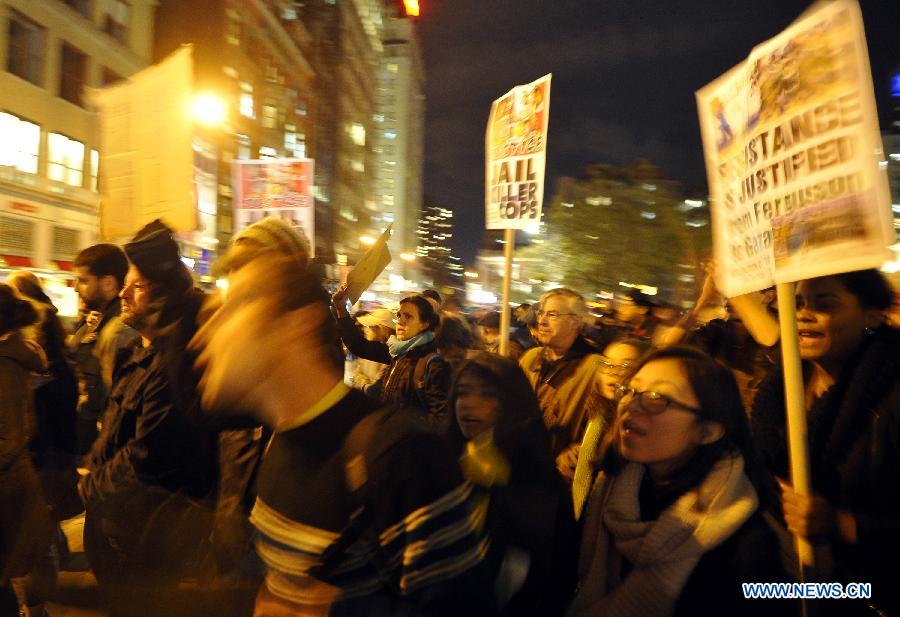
(674, 522)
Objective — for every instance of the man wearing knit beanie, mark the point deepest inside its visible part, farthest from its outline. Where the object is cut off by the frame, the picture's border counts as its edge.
(151, 464)
(269, 234)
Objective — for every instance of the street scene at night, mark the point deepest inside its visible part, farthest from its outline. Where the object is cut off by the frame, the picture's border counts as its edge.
(466, 308)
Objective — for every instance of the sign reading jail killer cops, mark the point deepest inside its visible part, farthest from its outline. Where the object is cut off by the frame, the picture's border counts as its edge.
(792, 154)
(515, 156)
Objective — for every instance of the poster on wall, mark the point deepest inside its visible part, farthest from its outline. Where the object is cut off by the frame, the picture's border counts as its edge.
(793, 154)
(274, 187)
(515, 156)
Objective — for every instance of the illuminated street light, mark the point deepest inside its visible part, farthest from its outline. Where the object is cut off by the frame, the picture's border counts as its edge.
(367, 240)
(407, 256)
(208, 109)
(412, 7)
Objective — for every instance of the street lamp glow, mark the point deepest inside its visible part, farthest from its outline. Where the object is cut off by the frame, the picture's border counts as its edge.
(208, 109)
(407, 257)
(412, 7)
(367, 240)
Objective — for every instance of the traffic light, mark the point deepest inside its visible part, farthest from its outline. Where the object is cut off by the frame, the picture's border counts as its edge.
(411, 7)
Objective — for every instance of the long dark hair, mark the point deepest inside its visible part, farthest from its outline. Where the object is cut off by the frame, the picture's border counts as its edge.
(15, 313)
(519, 432)
(720, 401)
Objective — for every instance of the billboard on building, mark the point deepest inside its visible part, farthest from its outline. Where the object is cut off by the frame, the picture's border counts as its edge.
(793, 156)
(274, 187)
(146, 159)
(515, 156)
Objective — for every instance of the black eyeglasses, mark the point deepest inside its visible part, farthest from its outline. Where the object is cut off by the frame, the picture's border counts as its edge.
(651, 402)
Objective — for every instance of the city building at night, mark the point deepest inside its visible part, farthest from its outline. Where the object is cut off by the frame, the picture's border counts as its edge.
(50, 52)
(434, 255)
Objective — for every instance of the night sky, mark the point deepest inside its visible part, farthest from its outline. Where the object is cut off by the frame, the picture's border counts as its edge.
(624, 77)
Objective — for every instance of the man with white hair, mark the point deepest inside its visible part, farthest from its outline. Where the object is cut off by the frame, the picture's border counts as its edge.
(563, 371)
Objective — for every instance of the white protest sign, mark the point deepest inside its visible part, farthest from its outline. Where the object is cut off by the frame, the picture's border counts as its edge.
(515, 156)
(792, 153)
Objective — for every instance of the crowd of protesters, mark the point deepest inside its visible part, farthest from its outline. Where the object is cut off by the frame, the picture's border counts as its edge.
(262, 451)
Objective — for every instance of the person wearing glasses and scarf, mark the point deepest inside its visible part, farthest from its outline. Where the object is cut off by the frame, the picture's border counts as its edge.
(674, 523)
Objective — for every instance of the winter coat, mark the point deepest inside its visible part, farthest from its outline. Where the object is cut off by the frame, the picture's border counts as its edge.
(418, 381)
(854, 452)
(568, 391)
(25, 526)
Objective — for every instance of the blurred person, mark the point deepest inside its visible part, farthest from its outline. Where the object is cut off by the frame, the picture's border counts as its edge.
(453, 339)
(53, 442)
(417, 379)
(432, 294)
(618, 358)
(635, 311)
(151, 472)
(343, 488)
(101, 271)
(851, 374)
(522, 338)
(505, 452)
(519, 314)
(674, 523)
(25, 525)
(743, 340)
(235, 570)
(378, 325)
(489, 327)
(563, 372)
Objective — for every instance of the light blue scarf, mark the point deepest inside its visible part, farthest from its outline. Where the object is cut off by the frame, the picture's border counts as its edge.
(398, 348)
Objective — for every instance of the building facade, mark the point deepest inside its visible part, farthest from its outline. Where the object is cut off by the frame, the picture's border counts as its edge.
(50, 53)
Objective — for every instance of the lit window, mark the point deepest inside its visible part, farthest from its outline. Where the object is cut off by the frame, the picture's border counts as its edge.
(269, 116)
(357, 133)
(25, 51)
(358, 165)
(233, 29)
(392, 67)
(21, 144)
(378, 117)
(243, 147)
(246, 100)
(388, 200)
(95, 169)
(390, 134)
(65, 159)
(267, 152)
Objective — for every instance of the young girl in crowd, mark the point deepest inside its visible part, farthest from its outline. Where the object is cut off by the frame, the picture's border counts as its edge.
(617, 358)
(674, 523)
(505, 451)
(852, 384)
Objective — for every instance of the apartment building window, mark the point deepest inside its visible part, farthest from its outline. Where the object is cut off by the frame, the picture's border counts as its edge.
(25, 52)
(21, 143)
(233, 29)
(269, 116)
(117, 20)
(65, 159)
(82, 6)
(65, 243)
(95, 169)
(246, 100)
(243, 146)
(72, 74)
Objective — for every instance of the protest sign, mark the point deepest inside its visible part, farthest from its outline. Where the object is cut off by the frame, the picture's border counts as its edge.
(369, 267)
(515, 156)
(274, 187)
(792, 153)
(145, 148)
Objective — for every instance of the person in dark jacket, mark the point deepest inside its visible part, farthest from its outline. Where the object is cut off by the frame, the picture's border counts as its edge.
(505, 451)
(852, 383)
(101, 271)
(675, 522)
(25, 526)
(151, 466)
(418, 379)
